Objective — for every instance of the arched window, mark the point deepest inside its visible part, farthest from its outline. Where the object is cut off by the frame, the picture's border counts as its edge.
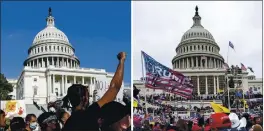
(61, 49)
(38, 50)
(202, 47)
(49, 48)
(194, 47)
(190, 48)
(57, 48)
(41, 49)
(198, 47)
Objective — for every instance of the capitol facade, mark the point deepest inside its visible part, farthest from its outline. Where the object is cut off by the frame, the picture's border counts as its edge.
(51, 67)
(197, 57)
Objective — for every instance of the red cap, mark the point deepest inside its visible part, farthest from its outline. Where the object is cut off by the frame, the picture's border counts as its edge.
(196, 128)
(219, 120)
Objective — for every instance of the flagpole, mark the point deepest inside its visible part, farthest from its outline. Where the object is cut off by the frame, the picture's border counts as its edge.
(227, 54)
(144, 81)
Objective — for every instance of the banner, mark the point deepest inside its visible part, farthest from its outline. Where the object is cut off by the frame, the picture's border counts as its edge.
(14, 108)
(161, 77)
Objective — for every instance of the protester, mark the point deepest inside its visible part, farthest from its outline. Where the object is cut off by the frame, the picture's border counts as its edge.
(78, 97)
(256, 128)
(63, 116)
(114, 120)
(48, 121)
(2, 120)
(31, 122)
(17, 124)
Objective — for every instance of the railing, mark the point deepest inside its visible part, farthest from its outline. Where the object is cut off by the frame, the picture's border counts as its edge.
(79, 68)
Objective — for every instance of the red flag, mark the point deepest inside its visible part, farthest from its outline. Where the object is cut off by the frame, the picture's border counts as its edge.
(243, 67)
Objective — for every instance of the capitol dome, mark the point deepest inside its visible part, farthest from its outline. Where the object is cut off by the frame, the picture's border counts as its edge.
(51, 47)
(50, 32)
(197, 32)
(197, 48)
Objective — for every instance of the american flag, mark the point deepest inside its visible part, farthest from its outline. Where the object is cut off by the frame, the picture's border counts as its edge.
(161, 77)
(231, 45)
(243, 67)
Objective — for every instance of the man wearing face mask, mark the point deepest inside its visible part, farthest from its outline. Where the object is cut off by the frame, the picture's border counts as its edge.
(31, 122)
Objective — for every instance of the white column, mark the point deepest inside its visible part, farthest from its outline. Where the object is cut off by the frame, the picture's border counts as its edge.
(183, 63)
(192, 62)
(53, 83)
(206, 86)
(66, 82)
(187, 62)
(197, 61)
(63, 85)
(74, 80)
(206, 63)
(58, 62)
(90, 81)
(214, 86)
(62, 62)
(198, 85)
(217, 82)
(214, 63)
(53, 61)
(29, 63)
(47, 61)
(68, 65)
(82, 80)
(211, 62)
(37, 62)
(49, 87)
(201, 63)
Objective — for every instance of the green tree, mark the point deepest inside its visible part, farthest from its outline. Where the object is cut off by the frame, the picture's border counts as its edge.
(5, 88)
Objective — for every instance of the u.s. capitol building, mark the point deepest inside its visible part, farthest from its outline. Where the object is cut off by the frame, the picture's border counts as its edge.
(51, 67)
(198, 57)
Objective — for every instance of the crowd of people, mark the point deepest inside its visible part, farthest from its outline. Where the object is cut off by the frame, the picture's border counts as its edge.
(75, 113)
(168, 97)
(160, 116)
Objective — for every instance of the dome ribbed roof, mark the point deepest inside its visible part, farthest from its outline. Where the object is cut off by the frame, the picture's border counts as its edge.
(50, 33)
(197, 30)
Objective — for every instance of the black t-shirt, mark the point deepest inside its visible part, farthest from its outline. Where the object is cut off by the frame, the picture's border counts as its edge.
(84, 120)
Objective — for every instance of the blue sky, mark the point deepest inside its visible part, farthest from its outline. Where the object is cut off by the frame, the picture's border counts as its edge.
(97, 31)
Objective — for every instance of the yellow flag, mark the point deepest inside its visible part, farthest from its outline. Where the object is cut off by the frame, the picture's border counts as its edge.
(135, 103)
(218, 108)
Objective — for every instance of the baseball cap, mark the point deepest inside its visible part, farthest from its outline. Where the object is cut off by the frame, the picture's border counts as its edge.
(219, 120)
(113, 112)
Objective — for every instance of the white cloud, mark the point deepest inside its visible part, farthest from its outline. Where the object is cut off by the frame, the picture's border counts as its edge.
(159, 26)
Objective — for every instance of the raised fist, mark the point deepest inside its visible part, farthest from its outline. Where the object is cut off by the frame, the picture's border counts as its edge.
(121, 56)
